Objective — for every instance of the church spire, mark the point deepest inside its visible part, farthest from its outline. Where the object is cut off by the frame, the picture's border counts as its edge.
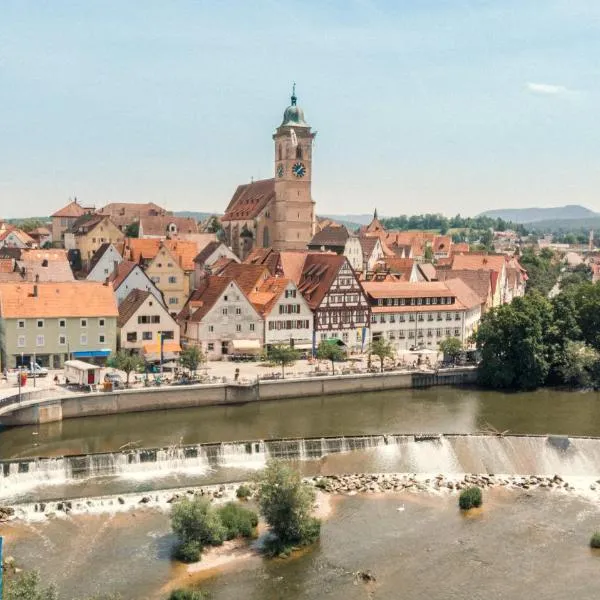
(375, 215)
(294, 99)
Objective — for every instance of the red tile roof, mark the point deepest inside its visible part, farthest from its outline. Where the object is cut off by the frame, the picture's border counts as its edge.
(249, 200)
(248, 277)
(204, 298)
(268, 294)
(318, 274)
(158, 224)
(73, 210)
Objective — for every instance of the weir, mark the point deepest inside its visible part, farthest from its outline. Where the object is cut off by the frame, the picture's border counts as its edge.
(420, 453)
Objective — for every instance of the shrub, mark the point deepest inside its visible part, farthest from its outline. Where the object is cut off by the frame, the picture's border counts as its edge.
(182, 594)
(243, 492)
(595, 540)
(470, 498)
(237, 520)
(286, 502)
(321, 483)
(197, 524)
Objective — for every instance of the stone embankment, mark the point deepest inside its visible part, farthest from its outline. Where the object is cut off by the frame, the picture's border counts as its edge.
(375, 483)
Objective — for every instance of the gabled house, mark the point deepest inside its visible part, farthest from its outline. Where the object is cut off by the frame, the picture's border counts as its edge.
(208, 256)
(124, 214)
(403, 269)
(287, 316)
(168, 275)
(337, 239)
(479, 280)
(220, 319)
(372, 252)
(104, 262)
(248, 277)
(333, 292)
(88, 233)
(142, 322)
(130, 276)
(16, 238)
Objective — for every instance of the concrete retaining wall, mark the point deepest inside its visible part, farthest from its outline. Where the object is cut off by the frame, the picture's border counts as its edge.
(141, 400)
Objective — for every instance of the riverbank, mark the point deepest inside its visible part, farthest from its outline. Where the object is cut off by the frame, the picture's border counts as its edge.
(38, 410)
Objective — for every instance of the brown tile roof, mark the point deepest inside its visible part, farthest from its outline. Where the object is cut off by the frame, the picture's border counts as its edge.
(125, 213)
(332, 235)
(292, 264)
(428, 271)
(139, 250)
(65, 299)
(220, 265)
(158, 225)
(23, 237)
(85, 223)
(248, 277)
(400, 266)
(205, 253)
(50, 264)
(73, 209)
(442, 243)
(479, 280)
(204, 298)
(478, 261)
(368, 244)
(319, 272)
(129, 306)
(118, 276)
(249, 200)
(460, 247)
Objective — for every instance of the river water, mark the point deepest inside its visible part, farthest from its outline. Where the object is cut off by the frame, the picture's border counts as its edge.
(533, 540)
(437, 409)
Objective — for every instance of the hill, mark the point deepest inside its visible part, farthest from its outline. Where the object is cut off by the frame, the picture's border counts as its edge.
(355, 220)
(199, 216)
(534, 215)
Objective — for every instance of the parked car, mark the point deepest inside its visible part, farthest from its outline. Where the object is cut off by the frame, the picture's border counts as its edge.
(36, 370)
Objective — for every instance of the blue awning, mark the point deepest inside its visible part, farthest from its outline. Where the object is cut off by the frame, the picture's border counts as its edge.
(91, 354)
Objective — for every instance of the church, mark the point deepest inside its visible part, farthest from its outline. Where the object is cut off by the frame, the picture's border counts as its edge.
(277, 213)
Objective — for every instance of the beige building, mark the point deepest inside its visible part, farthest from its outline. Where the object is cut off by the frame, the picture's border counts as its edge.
(277, 212)
(141, 319)
(56, 321)
(167, 274)
(88, 233)
(123, 214)
(63, 219)
(220, 319)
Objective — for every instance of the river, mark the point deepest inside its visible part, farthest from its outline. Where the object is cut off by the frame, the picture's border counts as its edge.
(437, 409)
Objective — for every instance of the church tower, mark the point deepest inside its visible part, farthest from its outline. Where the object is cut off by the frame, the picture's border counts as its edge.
(293, 208)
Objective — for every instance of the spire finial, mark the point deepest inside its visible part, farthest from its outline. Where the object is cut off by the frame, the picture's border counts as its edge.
(294, 94)
(375, 214)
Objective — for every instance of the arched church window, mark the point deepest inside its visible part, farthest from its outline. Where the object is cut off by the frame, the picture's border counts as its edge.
(280, 152)
(298, 151)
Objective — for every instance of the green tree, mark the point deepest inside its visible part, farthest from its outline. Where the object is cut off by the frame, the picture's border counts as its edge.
(283, 355)
(27, 586)
(486, 239)
(428, 254)
(586, 299)
(133, 230)
(451, 347)
(126, 362)
(542, 270)
(511, 339)
(329, 350)
(286, 503)
(182, 594)
(191, 357)
(382, 349)
(578, 365)
(197, 524)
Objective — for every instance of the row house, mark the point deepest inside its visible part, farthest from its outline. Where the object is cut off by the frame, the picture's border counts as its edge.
(12, 237)
(333, 292)
(220, 319)
(422, 314)
(287, 317)
(55, 321)
(144, 325)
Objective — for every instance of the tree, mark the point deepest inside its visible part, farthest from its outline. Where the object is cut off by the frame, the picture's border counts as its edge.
(183, 594)
(329, 350)
(197, 524)
(283, 355)
(579, 365)
(428, 254)
(191, 357)
(133, 230)
(511, 338)
(126, 362)
(286, 503)
(451, 347)
(27, 586)
(382, 349)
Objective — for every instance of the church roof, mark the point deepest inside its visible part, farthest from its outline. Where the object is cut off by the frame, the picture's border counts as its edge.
(294, 115)
(332, 235)
(249, 200)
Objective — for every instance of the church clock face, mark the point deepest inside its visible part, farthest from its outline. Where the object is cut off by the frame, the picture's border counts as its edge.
(299, 170)
(280, 171)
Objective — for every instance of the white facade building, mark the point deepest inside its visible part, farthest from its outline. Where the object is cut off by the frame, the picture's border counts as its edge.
(104, 262)
(421, 315)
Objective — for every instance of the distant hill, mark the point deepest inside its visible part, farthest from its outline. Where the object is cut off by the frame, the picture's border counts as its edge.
(199, 216)
(535, 215)
(356, 220)
(566, 225)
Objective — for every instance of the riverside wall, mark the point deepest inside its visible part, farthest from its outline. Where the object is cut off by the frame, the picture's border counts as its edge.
(31, 412)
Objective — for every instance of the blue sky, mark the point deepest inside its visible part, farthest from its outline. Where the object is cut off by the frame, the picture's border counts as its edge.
(421, 106)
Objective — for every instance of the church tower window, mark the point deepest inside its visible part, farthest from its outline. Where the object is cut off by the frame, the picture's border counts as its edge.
(299, 152)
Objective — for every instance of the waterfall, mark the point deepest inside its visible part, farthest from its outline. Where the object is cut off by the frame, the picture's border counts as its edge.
(426, 453)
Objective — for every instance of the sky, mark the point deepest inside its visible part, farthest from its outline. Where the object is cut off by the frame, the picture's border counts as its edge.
(452, 106)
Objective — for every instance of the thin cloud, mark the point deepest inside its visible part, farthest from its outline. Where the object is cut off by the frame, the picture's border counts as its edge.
(547, 89)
